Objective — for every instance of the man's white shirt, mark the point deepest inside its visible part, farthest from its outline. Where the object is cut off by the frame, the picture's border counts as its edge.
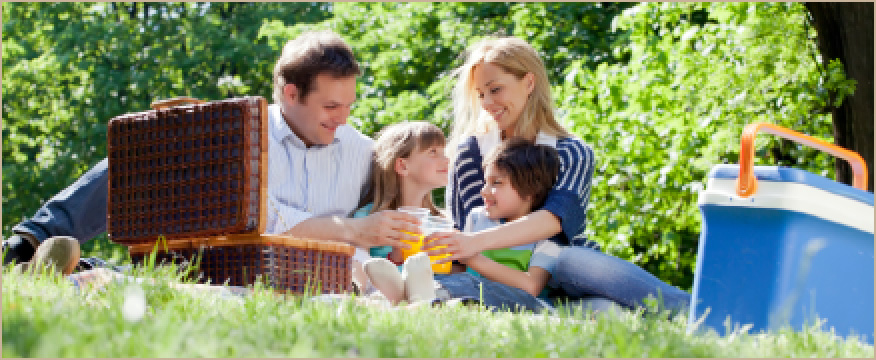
(322, 180)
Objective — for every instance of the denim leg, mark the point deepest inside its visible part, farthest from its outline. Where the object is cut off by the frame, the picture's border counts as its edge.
(591, 303)
(584, 272)
(496, 296)
(79, 211)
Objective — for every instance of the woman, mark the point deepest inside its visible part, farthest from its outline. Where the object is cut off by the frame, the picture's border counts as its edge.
(502, 91)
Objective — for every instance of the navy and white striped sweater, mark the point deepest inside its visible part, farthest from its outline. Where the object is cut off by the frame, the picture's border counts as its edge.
(567, 199)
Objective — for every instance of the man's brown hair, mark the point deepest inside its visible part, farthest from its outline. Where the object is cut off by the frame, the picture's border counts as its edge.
(531, 168)
(311, 54)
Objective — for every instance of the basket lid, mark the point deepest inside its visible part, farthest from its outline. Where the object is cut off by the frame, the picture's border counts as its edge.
(188, 171)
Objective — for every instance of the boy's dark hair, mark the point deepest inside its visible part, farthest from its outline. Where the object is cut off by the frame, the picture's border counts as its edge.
(531, 168)
(311, 54)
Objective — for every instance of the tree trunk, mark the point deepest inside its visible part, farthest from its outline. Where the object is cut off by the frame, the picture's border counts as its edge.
(845, 32)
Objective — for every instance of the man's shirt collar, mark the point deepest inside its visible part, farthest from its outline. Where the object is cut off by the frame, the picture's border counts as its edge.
(282, 131)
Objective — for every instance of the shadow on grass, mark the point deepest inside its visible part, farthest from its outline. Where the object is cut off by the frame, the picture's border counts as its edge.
(102, 247)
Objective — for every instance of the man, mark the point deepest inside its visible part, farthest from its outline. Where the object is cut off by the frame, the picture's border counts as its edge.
(318, 164)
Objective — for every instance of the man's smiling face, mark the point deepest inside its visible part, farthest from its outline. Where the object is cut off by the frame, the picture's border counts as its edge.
(316, 117)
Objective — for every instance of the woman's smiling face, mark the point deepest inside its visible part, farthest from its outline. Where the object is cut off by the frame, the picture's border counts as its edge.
(501, 94)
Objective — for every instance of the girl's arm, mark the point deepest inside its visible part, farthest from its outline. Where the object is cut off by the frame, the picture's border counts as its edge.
(532, 281)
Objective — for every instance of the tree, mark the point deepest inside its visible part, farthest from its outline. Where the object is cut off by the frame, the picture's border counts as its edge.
(845, 32)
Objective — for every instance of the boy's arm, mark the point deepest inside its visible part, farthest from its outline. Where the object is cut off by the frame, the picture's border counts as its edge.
(531, 281)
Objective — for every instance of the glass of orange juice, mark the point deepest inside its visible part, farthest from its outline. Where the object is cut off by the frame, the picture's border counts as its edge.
(437, 224)
(416, 245)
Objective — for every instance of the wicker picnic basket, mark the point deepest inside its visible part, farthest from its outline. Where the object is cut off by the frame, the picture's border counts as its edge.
(193, 174)
(282, 262)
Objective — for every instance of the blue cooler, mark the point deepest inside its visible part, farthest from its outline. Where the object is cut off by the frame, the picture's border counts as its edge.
(798, 249)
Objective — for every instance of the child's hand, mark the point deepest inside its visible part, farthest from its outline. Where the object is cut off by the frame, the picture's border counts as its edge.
(459, 245)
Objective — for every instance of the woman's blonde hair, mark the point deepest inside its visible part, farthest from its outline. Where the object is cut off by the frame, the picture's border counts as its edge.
(396, 141)
(515, 57)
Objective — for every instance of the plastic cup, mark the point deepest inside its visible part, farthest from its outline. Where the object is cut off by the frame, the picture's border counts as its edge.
(420, 213)
(437, 224)
(416, 245)
(428, 225)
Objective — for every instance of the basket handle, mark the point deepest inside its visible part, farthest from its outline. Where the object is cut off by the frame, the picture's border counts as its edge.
(160, 104)
(746, 184)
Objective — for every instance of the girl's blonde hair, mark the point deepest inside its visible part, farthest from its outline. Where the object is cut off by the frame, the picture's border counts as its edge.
(516, 57)
(396, 141)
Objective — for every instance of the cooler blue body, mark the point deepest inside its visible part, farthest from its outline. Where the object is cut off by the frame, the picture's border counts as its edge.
(800, 248)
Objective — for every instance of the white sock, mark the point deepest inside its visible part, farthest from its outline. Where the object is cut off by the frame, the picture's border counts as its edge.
(361, 279)
(385, 277)
(418, 279)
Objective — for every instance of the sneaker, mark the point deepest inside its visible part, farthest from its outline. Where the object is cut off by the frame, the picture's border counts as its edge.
(419, 283)
(385, 277)
(17, 249)
(61, 253)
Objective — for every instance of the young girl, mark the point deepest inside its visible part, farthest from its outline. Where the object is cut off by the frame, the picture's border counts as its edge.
(408, 164)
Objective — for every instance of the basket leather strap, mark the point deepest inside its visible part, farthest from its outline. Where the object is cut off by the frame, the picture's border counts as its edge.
(160, 104)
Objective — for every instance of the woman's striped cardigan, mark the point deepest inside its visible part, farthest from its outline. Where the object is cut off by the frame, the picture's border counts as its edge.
(567, 199)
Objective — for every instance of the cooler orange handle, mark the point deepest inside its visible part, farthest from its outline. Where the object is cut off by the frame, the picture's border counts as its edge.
(746, 183)
(175, 101)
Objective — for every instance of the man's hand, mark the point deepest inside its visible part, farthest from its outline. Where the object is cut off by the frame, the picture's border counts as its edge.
(460, 246)
(386, 227)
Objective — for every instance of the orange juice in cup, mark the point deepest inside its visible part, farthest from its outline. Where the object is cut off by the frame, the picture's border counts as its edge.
(436, 224)
(428, 225)
(416, 246)
(444, 268)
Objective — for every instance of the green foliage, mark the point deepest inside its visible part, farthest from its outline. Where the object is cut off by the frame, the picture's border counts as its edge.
(661, 120)
(70, 67)
(47, 317)
(660, 90)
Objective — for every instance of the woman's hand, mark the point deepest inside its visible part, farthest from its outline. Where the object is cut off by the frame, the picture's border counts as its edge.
(460, 246)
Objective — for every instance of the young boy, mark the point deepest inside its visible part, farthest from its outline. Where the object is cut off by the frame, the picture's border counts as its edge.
(518, 176)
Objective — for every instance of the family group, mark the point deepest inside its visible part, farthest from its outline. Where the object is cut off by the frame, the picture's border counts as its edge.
(517, 185)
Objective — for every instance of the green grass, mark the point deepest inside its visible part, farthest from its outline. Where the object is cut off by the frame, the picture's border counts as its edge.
(46, 317)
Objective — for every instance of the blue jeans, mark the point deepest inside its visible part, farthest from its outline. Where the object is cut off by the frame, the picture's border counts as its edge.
(588, 279)
(585, 273)
(496, 296)
(79, 211)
